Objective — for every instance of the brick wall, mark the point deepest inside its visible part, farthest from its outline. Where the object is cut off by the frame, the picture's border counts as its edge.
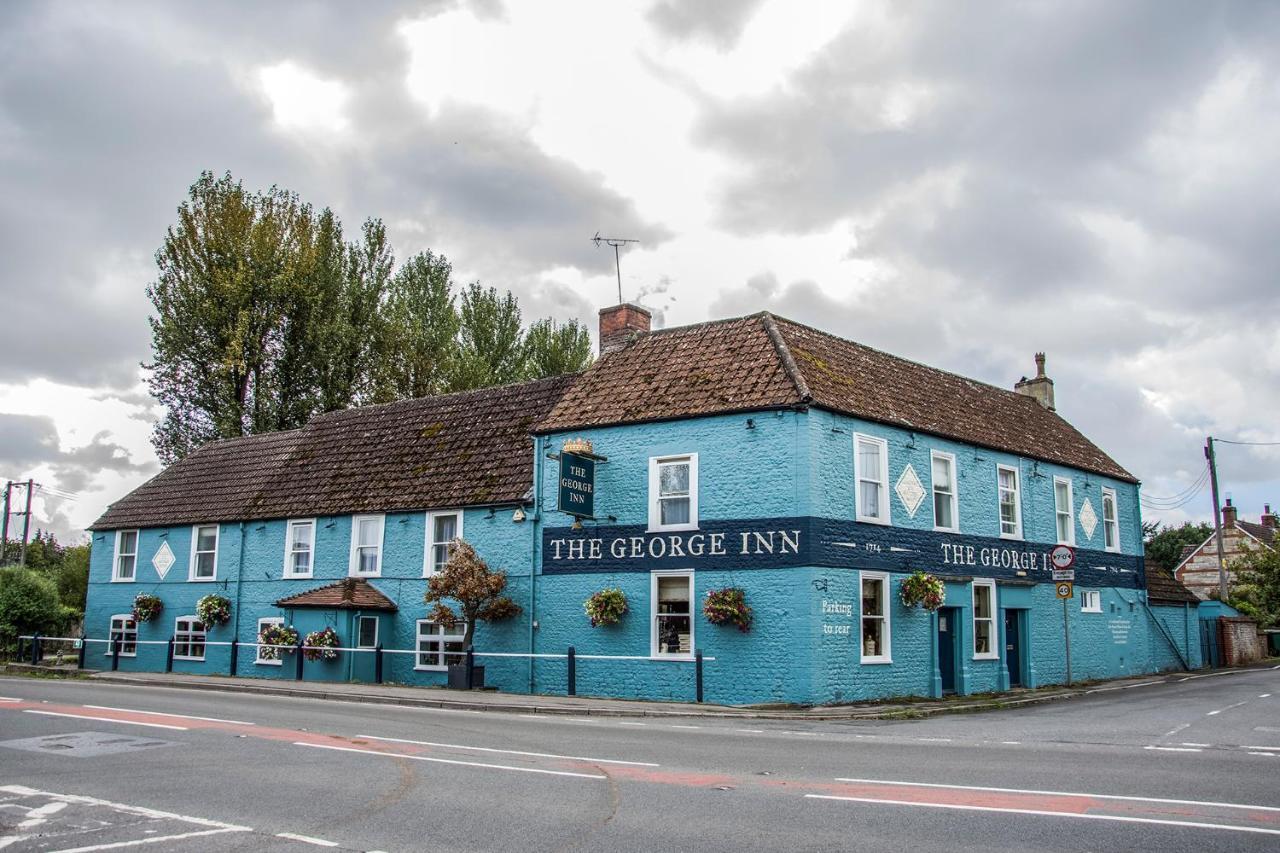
(1241, 643)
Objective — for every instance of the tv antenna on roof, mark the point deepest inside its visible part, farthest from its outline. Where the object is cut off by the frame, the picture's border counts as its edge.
(615, 242)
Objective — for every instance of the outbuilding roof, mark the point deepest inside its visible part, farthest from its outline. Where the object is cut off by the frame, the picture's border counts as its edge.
(1164, 588)
(767, 362)
(466, 449)
(346, 594)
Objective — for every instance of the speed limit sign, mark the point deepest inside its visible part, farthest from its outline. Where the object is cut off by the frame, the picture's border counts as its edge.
(1065, 590)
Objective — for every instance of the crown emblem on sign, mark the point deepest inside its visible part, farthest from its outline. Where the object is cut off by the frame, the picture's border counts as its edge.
(577, 445)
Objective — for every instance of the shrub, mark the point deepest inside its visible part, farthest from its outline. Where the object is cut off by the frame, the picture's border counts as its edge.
(728, 606)
(606, 607)
(28, 605)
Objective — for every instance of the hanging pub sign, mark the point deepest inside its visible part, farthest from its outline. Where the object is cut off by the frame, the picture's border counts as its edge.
(577, 480)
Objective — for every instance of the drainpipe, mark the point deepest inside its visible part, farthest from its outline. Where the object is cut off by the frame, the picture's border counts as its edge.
(239, 585)
(536, 520)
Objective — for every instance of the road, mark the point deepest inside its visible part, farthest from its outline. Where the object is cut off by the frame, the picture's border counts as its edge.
(1191, 765)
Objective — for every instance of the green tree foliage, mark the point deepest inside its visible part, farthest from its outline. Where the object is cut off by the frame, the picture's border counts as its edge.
(1255, 588)
(66, 566)
(265, 315)
(28, 605)
(1163, 545)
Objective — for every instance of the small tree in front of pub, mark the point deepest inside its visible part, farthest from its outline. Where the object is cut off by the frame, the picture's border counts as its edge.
(478, 592)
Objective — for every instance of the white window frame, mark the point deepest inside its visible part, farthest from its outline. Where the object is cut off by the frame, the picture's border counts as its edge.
(289, 573)
(376, 627)
(353, 564)
(1090, 601)
(1109, 494)
(654, 651)
(886, 511)
(117, 554)
(428, 558)
(1070, 513)
(1017, 501)
(258, 658)
(989, 585)
(195, 540)
(886, 611)
(955, 491)
(655, 510)
(460, 634)
(125, 618)
(190, 635)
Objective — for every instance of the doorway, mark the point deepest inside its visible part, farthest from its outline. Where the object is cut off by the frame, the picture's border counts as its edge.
(1013, 646)
(948, 629)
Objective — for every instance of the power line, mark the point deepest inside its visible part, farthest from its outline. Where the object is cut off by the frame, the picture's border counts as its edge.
(1247, 443)
(1194, 487)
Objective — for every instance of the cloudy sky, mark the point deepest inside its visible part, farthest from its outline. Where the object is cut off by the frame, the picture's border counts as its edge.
(962, 184)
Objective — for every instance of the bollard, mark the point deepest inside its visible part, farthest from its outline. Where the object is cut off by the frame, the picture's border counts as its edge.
(573, 672)
(168, 657)
(115, 652)
(298, 675)
(35, 650)
(471, 664)
(377, 664)
(84, 646)
(697, 668)
(235, 653)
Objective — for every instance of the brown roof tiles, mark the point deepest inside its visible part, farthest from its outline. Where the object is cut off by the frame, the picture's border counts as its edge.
(346, 594)
(1164, 588)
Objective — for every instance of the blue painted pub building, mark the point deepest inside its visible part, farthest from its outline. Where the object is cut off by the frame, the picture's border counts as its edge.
(812, 472)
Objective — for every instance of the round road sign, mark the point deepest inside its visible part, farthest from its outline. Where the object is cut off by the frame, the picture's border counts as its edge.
(1062, 556)
(1065, 590)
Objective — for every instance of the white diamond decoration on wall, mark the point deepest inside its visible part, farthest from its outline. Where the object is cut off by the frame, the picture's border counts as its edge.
(1088, 519)
(910, 490)
(163, 560)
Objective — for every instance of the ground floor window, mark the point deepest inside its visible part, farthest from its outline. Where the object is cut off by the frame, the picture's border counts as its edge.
(875, 618)
(188, 639)
(672, 597)
(125, 627)
(984, 620)
(1090, 601)
(269, 656)
(367, 632)
(440, 644)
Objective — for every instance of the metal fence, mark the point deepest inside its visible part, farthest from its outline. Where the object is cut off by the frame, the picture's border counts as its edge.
(117, 643)
(1210, 650)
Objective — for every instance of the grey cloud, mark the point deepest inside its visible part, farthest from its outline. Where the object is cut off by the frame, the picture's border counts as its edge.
(719, 21)
(28, 441)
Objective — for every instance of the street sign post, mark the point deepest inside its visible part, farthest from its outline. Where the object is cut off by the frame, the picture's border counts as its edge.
(1066, 591)
(1062, 556)
(1064, 574)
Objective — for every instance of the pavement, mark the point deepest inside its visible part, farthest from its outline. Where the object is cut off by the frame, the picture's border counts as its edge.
(489, 700)
(1170, 765)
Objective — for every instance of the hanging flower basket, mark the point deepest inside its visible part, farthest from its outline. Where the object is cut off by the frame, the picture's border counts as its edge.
(728, 606)
(923, 589)
(146, 607)
(606, 607)
(276, 635)
(321, 645)
(213, 610)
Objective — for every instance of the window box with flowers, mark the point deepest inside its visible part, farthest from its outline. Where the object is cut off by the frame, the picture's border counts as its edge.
(606, 607)
(275, 638)
(146, 607)
(213, 610)
(925, 590)
(728, 606)
(321, 645)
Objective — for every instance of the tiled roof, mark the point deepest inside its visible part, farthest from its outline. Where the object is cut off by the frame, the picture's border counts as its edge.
(346, 594)
(1164, 588)
(761, 362)
(466, 449)
(1261, 532)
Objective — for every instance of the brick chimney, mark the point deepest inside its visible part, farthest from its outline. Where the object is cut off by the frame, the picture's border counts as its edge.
(1040, 388)
(620, 325)
(1269, 518)
(1228, 515)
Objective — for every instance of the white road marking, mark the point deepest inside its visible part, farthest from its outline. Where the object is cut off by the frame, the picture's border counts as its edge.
(1228, 708)
(684, 727)
(1118, 818)
(40, 814)
(10, 699)
(165, 714)
(153, 840)
(1064, 794)
(1172, 749)
(934, 739)
(105, 720)
(632, 724)
(1268, 754)
(1012, 742)
(306, 839)
(1254, 746)
(1264, 695)
(1123, 686)
(750, 731)
(1198, 744)
(1173, 732)
(451, 761)
(512, 751)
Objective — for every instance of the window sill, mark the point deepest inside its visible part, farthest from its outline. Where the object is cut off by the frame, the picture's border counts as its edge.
(192, 660)
(682, 658)
(268, 663)
(987, 657)
(879, 659)
(298, 577)
(123, 655)
(671, 528)
(123, 580)
(364, 575)
(1090, 610)
(202, 580)
(432, 668)
(1113, 550)
(937, 529)
(1013, 537)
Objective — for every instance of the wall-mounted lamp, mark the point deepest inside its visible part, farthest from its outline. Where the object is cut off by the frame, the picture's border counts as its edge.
(518, 515)
(751, 423)
(492, 512)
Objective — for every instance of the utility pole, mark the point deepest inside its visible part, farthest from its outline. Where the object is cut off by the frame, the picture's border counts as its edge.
(4, 535)
(1217, 519)
(26, 524)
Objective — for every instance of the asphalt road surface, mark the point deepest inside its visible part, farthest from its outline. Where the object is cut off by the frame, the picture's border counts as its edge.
(1192, 765)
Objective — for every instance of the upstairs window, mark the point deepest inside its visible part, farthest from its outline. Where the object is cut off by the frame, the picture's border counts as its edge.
(672, 597)
(984, 621)
(366, 545)
(673, 492)
(204, 552)
(945, 512)
(188, 638)
(124, 628)
(442, 529)
(871, 471)
(1110, 521)
(1062, 504)
(875, 618)
(1010, 502)
(299, 544)
(125, 565)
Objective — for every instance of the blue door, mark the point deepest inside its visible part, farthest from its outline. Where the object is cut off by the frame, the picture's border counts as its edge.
(948, 623)
(1013, 647)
